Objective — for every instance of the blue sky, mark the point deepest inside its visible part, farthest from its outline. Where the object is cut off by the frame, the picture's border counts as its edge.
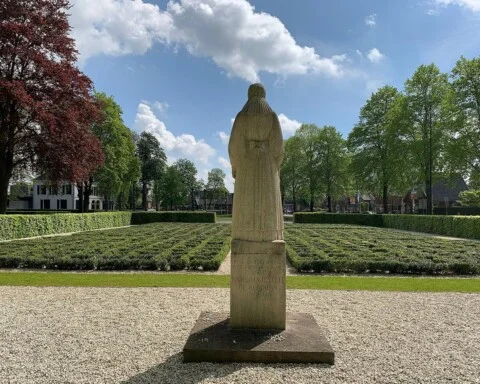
(181, 69)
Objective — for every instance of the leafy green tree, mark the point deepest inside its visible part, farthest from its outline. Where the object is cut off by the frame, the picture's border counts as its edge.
(308, 136)
(152, 162)
(291, 177)
(333, 163)
(465, 143)
(428, 95)
(215, 185)
(470, 198)
(173, 191)
(378, 159)
(121, 166)
(20, 189)
(188, 173)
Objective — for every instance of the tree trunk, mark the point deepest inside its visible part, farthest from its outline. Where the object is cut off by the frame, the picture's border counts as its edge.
(329, 203)
(80, 197)
(87, 191)
(385, 198)
(312, 198)
(144, 195)
(429, 196)
(4, 179)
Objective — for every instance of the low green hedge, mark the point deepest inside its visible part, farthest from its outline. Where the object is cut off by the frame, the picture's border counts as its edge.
(456, 226)
(337, 218)
(173, 216)
(20, 226)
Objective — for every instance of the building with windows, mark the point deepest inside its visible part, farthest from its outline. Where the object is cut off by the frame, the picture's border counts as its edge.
(64, 196)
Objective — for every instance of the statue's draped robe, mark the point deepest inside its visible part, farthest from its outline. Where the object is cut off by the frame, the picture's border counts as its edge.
(256, 152)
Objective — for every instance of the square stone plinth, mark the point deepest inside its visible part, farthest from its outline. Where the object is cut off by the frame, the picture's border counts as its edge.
(213, 340)
(257, 289)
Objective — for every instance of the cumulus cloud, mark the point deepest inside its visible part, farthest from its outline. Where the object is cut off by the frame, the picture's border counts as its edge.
(239, 40)
(225, 164)
(289, 126)
(473, 5)
(375, 56)
(162, 108)
(184, 145)
(225, 137)
(370, 20)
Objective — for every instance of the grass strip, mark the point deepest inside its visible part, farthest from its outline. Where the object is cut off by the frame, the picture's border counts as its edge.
(401, 284)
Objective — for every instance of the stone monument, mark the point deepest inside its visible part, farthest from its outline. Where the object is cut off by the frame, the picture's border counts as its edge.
(258, 329)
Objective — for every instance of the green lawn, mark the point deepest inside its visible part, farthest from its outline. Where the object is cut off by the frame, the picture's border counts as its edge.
(157, 246)
(347, 248)
(407, 284)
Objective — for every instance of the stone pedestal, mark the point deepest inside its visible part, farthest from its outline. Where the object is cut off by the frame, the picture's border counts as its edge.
(258, 291)
(213, 340)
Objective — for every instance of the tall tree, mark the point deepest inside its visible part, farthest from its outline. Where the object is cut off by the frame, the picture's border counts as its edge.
(153, 162)
(378, 163)
(291, 176)
(427, 93)
(121, 166)
(46, 107)
(173, 191)
(465, 142)
(308, 136)
(333, 162)
(188, 173)
(215, 185)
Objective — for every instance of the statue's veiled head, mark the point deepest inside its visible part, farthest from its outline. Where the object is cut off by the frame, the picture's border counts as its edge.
(256, 90)
(256, 103)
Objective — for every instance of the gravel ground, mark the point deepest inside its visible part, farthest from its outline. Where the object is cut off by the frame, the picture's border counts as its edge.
(133, 336)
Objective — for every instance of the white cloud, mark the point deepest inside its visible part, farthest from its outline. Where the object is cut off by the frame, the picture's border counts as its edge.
(224, 163)
(289, 126)
(375, 56)
(116, 27)
(162, 108)
(432, 12)
(238, 39)
(184, 145)
(473, 5)
(225, 137)
(370, 20)
(359, 53)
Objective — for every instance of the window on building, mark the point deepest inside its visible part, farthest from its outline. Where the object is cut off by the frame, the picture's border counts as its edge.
(62, 204)
(38, 189)
(68, 189)
(43, 190)
(98, 205)
(44, 204)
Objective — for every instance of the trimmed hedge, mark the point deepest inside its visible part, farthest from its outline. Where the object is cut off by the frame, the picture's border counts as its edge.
(20, 226)
(337, 218)
(173, 216)
(456, 226)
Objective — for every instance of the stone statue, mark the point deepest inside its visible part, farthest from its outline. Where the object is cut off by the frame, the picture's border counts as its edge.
(256, 152)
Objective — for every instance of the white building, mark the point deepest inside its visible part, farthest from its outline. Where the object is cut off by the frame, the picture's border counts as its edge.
(65, 196)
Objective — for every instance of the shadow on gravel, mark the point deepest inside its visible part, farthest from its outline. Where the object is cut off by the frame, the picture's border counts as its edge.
(174, 371)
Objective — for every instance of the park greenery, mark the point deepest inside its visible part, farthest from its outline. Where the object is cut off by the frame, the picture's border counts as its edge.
(157, 246)
(403, 140)
(323, 248)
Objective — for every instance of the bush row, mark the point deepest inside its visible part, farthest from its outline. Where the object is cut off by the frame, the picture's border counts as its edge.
(457, 226)
(20, 226)
(173, 216)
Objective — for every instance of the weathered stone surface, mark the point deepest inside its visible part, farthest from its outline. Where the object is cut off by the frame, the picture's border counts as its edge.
(212, 339)
(258, 291)
(256, 152)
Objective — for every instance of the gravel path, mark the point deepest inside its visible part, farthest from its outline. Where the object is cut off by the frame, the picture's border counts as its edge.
(134, 336)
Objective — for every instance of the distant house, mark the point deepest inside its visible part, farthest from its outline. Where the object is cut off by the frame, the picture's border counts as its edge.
(444, 194)
(62, 197)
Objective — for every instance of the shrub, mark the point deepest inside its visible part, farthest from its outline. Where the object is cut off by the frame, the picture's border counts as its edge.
(19, 226)
(173, 216)
(337, 218)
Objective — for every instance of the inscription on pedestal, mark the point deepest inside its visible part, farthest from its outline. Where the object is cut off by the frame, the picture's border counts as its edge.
(257, 294)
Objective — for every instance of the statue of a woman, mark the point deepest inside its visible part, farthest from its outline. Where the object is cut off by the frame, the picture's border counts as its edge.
(256, 152)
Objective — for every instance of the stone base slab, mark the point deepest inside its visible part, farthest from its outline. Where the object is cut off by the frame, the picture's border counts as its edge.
(213, 340)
